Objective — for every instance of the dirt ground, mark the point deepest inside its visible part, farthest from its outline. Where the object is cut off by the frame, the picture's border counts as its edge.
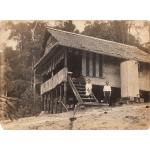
(133, 116)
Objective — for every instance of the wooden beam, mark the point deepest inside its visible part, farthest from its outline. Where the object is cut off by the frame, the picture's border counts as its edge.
(84, 64)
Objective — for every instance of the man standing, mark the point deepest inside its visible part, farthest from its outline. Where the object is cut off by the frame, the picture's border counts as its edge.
(107, 93)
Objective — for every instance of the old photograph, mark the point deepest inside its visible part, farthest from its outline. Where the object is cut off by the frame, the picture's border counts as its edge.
(75, 75)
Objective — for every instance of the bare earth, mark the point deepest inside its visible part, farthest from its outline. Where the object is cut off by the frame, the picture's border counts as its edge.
(135, 116)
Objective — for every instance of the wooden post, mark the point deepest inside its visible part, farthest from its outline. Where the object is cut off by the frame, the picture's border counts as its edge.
(91, 65)
(65, 82)
(56, 99)
(102, 73)
(52, 100)
(45, 102)
(84, 64)
(60, 97)
(65, 58)
(49, 102)
(42, 102)
(65, 94)
(97, 65)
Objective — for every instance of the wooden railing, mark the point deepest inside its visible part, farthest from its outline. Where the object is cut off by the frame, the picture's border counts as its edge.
(74, 89)
(61, 76)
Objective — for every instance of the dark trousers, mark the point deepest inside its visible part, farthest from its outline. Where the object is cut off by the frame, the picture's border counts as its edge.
(107, 98)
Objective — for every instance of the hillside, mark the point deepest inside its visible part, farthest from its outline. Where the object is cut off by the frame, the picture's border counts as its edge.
(135, 116)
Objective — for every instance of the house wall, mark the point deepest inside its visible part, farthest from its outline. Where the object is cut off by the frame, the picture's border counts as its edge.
(110, 71)
(129, 79)
(144, 77)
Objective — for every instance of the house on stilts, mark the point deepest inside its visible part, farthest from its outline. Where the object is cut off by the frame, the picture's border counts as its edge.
(69, 59)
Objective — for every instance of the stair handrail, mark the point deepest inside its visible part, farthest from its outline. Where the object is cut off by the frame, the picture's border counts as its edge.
(94, 97)
(79, 99)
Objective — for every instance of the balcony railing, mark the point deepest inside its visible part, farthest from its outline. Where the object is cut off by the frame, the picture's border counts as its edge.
(50, 84)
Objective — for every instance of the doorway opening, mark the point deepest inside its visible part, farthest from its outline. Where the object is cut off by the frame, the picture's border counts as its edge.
(145, 95)
(75, 64)
(98, 92)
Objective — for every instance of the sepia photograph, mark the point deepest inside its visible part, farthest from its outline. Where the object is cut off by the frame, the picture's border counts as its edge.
(74, 74)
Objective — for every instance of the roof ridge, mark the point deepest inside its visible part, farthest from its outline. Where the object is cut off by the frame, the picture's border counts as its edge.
(50, 28)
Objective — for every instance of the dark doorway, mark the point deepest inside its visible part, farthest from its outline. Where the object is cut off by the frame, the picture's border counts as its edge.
(75, 63)
(145, 95)
(98, 92)
(115, 94)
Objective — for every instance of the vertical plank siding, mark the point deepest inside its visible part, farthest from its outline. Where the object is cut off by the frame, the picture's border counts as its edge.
(91, 65)
(84, 63)
(129, 79)
(97, 65)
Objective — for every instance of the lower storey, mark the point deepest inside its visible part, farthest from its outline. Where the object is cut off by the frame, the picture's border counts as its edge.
(62, 98)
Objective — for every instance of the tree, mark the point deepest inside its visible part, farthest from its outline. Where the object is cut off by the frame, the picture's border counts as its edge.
(66, 26)
(29, 37)
(117, 31)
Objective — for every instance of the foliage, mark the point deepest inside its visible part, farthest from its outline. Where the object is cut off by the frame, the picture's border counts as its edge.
(66, 26)
(117, 31)
(29, 37)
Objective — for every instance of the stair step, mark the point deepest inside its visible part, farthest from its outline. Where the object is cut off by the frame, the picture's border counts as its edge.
(80, 89)
(83, 95)
(81, 92)
(91, 104)
(78, 81)
(79, 85)
(88, 99)
(81, 79)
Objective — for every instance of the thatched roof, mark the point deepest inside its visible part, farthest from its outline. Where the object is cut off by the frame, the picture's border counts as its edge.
(97, 45)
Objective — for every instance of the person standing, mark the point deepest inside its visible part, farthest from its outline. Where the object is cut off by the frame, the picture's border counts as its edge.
(88, 88)
(107, 93)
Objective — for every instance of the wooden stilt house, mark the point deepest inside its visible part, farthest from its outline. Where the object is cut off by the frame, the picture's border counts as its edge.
(69, 59)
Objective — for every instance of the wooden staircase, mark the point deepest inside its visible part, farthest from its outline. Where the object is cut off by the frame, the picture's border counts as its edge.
(78, 87)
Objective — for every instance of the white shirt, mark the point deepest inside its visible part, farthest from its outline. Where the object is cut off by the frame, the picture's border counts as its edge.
(107, 88)
(88, 86)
